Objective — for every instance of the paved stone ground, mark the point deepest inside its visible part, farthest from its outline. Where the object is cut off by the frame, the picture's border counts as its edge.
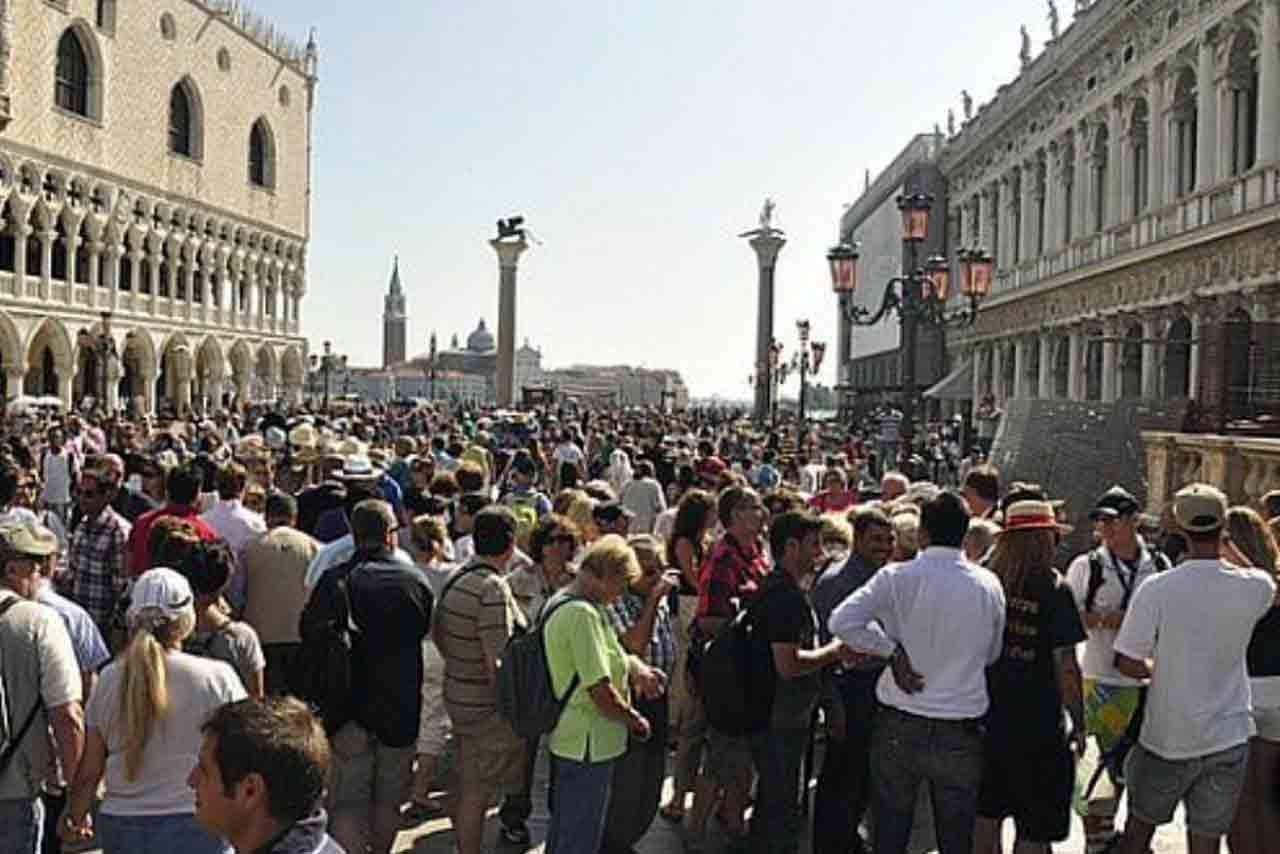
(436, 837)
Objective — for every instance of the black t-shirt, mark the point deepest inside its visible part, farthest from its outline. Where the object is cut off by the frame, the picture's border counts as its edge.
(1026, 704)
(1264, 646)
(391, 604)
(782, 614)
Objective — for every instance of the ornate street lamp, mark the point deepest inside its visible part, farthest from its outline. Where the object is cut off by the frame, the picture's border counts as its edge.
(327, 363)
(919, 296)
(807, 360)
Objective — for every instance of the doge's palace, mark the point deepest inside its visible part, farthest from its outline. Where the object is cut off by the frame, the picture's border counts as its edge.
(155, 186)
(1127, 184)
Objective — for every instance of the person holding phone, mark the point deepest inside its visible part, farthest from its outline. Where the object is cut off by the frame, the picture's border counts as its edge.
(601, 682)
(642, 618)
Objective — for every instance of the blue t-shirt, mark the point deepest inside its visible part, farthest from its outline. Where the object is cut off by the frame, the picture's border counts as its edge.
(87, 641)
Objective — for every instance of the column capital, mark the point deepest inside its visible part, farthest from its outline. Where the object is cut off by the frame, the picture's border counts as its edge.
(767, 245)
(509, 251)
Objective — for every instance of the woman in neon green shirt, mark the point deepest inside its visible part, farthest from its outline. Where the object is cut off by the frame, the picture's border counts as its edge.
(598, 716)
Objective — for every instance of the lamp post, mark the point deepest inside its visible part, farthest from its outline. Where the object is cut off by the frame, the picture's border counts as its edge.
(919, 296)
(327, 363)
(777, 377)
(807, 360)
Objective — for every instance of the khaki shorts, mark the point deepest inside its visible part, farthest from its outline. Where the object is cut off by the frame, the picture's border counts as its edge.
(490, 757)
(364, 772)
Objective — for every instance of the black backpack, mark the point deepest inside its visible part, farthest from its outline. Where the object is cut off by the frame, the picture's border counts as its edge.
(736, 678)
(321, 672)
(524, 693)
(1096, 579)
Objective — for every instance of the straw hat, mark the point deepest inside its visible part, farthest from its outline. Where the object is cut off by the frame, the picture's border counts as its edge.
(1032, 515)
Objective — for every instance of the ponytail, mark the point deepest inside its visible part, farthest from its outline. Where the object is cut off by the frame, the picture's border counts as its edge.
(144, 697)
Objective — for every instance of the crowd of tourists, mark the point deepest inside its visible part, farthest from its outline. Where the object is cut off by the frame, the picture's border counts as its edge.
(456, 596)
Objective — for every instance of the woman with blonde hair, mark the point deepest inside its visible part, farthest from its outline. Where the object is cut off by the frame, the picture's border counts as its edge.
(1251, 543)
(580, 510)
(1028, 763)
(142, 730)
(589, 665)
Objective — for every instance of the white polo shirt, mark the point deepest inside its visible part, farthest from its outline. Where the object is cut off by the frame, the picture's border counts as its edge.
(1196, 621)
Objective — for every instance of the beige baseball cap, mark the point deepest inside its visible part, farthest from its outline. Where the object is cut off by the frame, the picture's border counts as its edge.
(28, 540)
(1200, 508)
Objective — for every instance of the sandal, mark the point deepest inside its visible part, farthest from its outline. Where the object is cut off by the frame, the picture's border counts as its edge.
(672, 813)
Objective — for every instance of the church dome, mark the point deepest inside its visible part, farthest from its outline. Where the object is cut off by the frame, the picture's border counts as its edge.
(481, 340)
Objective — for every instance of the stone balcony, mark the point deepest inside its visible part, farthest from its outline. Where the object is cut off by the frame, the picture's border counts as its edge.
(1232, 199)
(57, 297)
(1245, 468)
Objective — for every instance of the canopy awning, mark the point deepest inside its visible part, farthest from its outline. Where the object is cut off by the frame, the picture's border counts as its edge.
(957, 385)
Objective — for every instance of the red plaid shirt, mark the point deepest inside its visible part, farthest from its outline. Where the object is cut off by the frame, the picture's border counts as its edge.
(730, 575)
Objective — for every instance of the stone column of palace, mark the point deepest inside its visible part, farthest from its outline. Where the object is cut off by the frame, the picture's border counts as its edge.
(1119, 175)
(1158, 139)
(1269, 83)
(1150, 356)
(1050, 200)
(767, 245)
(1193, 372)
(1110, 369)
(1020, 368)
(1075, 358)
(1080, 177)
(1206, 113)
(977, 376)
(1045, 382)
(14, 377)
(112, 368)
(1029, 211)
(508, 259)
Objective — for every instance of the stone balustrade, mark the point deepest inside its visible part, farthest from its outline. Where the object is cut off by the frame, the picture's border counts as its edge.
(1246, 468)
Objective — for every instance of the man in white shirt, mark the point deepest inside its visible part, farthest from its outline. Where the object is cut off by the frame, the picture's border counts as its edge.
(568, 452)
(1188, 632)
(941, 623)
(1103, 581)
(235, 523)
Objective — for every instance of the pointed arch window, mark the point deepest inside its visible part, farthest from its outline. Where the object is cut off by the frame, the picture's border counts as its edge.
(180, 121)
(71, 86)
(262, 155)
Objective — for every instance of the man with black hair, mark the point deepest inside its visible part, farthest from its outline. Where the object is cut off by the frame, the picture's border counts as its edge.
(96, 553)
(1103, 581)
(275, 570)
(476, 617)
(784, 619)
(981, 491)
(941, 624)
(183, 490)
(259, 776)
(391, 609)
(844, 784)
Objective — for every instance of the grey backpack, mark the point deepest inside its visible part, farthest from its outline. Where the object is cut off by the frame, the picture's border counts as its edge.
(525, 696)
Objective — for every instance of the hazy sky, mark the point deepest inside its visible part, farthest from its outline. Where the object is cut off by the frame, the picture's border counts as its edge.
(638, 139)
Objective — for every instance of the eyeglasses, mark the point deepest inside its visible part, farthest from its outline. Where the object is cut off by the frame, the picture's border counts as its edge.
(27, 484)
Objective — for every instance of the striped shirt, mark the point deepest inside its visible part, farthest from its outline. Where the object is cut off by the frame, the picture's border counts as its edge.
(474, 619)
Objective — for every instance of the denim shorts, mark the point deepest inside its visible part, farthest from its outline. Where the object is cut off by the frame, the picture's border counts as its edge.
(1209, 786)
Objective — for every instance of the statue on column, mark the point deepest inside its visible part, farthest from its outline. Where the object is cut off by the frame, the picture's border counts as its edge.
(1024, 53)
(951, 122)
(766, 215)
(967, 102)
(1055, 23)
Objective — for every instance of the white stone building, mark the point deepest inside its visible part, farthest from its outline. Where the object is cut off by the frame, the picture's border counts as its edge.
(154, 164)
(1126, 183)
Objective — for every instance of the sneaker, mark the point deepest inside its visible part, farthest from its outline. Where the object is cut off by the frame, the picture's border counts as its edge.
(515, 834)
